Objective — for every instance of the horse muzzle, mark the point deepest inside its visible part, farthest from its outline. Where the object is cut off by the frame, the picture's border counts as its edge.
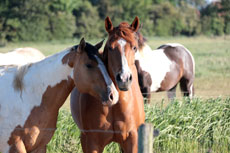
(111, 97)
(124, 80)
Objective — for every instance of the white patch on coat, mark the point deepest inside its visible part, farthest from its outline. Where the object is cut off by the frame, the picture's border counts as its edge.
(21, 56)
(110, 86)
(16, 106)
(145, 48)
(156, 63)
(125, 66)
(177, 44)
(103, 71)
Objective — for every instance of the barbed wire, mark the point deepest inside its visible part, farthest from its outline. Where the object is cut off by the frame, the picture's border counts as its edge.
(155, 131)
(2, 128)
(62, 129)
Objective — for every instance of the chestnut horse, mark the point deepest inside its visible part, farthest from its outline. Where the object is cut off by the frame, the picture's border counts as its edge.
(31, 95)
(162, 69)
(99, 124)
(21, 56)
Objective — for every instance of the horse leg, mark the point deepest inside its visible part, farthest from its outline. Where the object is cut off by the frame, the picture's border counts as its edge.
(146, 92)
(187, 88)
(130, 145)
(190, 90)
(18, 147)
(89, 145)
(171, 93)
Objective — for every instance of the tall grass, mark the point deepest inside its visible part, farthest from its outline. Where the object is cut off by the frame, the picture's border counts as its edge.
(185, 126)
(196, 126)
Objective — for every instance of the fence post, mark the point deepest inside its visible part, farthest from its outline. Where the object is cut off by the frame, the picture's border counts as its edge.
(145, 138)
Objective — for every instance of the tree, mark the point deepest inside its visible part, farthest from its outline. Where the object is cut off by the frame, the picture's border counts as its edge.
(166, 19)
(212, 21)
(88, 23)
(190, 19)
(225, 12)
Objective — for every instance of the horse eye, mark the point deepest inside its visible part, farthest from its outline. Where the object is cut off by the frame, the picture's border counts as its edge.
(135, 48)
(89, 66)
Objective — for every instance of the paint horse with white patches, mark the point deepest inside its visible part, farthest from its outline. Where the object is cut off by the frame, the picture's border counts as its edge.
(31, 95)
(162, 69)
(21, 56)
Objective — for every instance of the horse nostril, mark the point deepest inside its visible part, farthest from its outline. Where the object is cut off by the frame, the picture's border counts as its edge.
(118, 77)
(130, 78)
(111, 97)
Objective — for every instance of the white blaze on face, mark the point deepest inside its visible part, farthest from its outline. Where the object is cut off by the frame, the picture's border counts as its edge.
(110, 86)
(125, 66)
(103, 71)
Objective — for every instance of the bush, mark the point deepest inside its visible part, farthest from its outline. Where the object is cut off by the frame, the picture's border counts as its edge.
(212, 25)
(88, 23)
(34, 29)
(62, 26)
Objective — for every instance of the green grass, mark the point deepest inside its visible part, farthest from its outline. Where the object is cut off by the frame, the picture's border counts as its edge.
(197, 126)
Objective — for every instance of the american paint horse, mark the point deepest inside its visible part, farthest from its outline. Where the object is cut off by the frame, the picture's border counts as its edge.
(31, 95)
(162, 69)
(21, 56)
(100, 124)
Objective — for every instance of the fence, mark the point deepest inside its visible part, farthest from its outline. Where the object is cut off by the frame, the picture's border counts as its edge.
(203, 121)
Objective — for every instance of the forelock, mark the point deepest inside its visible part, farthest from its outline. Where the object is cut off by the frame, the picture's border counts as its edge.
(124, 31)
(91, 51)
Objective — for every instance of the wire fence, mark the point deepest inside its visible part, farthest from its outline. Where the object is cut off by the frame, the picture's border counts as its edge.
(2, 128)
(111, 131)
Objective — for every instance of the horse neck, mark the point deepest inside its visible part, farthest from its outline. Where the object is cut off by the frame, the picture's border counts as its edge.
(133, 96)
(145, 48)
(131, 102)
(52, 78)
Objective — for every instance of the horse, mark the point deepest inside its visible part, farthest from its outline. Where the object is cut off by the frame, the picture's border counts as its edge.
(162, 69)
(31, 95)
(100, 124)
(21, 56)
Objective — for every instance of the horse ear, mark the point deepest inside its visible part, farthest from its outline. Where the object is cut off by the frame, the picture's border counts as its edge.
(108, 24)
(98, 45)
(135, 24)
(81, 46)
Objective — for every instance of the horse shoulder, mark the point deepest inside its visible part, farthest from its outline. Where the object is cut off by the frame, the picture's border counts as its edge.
(13, 109)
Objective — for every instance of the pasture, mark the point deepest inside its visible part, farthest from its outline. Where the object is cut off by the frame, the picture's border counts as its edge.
(199, 126)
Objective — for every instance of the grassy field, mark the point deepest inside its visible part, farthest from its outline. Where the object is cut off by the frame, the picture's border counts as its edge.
(200, 126)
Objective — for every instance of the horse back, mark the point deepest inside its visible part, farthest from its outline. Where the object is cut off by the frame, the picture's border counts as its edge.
(180, 55)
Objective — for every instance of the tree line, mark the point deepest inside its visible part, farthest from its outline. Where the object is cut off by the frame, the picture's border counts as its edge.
(41, 20)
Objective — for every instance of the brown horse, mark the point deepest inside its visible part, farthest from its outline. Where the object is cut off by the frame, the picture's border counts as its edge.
(31, 95)
(99, 124)
(162, 69)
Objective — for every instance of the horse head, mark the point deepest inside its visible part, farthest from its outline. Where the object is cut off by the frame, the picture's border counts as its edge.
(90, 74)
(119, 51)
